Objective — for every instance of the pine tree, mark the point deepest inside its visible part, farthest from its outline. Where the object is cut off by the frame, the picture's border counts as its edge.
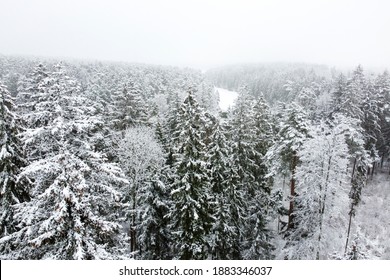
(191, 213)
(12, 159)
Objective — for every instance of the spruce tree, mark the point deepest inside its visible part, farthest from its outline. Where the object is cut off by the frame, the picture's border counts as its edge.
(74, 192)
(283, 154)
(191, 212)
(250, 137)
(12, 159)
(130, 108)
(155, 237)
(227, 199)
(258, 232)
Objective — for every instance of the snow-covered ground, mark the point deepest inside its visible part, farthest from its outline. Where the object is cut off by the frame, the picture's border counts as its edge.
(370, 226)
(226, 98)
(372, 217)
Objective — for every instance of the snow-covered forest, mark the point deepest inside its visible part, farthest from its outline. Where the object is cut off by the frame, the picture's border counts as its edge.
(104, 160)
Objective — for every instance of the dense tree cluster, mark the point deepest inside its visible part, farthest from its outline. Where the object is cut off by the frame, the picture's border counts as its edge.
(118, 161)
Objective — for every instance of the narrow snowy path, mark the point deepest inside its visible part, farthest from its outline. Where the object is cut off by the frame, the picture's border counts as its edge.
(372, 218)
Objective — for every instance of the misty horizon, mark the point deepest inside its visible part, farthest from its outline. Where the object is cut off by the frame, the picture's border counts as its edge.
(200, 34)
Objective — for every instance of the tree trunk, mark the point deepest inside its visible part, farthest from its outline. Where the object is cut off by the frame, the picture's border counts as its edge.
(133, 242)
(322, 206)
(353, 169)
(133, 231)
(292, 193)
(349, 231)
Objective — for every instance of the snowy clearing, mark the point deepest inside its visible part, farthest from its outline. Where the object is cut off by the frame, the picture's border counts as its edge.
(226, 98)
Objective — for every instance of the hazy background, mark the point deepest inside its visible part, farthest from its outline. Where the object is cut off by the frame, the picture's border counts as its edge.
(200, 33)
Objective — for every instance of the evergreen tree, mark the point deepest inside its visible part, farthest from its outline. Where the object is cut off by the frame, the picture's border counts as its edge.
(30, 87)
(130, 108)
(191, 213)
(258, 233)
(155, 237)
(283, 154)
(382, 88)
(12, 159)
(371, 120)
(227, 199)
(350, 101)
(74, 189)
(251, 138)
(171, 126)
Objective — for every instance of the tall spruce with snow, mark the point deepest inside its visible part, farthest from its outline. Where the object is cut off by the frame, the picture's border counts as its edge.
(250, 137)
(171, 126)
(282, 156)
(12, 159)
(258, 232)
(351, 97)
(371, 120)
(155, 238)
(227, 199)
(74, 189)
(322, 186)
(191, 218)
(242, 136)
(263, 139)
(30, 87)
(382, 87)
(130, 108)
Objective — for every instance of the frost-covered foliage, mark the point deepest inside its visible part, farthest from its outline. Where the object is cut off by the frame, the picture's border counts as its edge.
(64, 220)
(130, 108)
(227, 198)
(270, 79)
(72, 185)
(322, 194)
(251, 138)
(191, 216)
(155, 239)
(142, 159)
(12, 159)
(282, 157)
(118, 161)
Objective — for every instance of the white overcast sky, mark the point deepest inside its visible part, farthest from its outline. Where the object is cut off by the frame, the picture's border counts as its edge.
(200, 32)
